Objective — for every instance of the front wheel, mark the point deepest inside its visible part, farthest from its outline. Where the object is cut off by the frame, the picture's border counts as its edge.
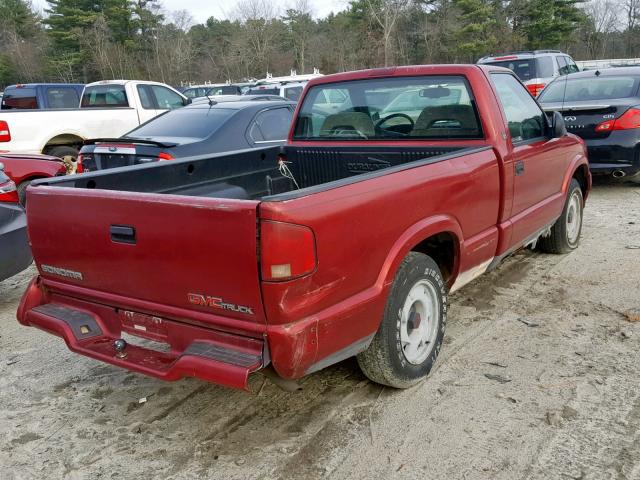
(406, 346)
(565, 233)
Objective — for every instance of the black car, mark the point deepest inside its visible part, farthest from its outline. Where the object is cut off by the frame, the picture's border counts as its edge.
(198, 129)
(603, 108)
(15, 254)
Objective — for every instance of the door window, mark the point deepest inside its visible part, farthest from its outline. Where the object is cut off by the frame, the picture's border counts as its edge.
(145, 97)
(271, 125)
(563, 68)
(104, 96)
(571, 65)
(167, 99)
(525, 119)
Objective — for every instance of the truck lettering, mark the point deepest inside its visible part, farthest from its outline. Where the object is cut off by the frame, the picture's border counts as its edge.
(218, 303)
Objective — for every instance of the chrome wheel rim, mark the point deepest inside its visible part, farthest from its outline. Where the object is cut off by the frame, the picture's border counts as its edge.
(419, 322)
(574, 218)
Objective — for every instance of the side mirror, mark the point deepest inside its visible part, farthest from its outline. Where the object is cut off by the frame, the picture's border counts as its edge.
(187, 101)
(558, 128)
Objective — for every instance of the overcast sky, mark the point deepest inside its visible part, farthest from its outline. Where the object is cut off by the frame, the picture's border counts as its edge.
(200, 10)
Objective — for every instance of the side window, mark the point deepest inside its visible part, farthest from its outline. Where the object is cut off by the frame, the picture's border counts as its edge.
(145, 97)
(20, 98)
(563, 69)
(524, 117)
(62, 97)
(272, 124)
(167, 99)
(571, 65)
(293, 93)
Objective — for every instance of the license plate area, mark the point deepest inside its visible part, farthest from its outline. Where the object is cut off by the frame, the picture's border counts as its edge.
(144, 326)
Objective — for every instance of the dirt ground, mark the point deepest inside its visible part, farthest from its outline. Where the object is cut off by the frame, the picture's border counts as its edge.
(538, 379)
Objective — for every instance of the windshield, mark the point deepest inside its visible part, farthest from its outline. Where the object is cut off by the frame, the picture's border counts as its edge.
(434, 107)
(184, 122)
(589, 89)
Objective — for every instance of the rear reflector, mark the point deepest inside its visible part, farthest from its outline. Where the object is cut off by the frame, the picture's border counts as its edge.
(535, 88)
(627, 121)
(5, 133)
(8, 193)
(287, 251)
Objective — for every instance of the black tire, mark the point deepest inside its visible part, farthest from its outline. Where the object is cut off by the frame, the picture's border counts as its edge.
(22, 192)
(385, 361)
(63, 151)
(564, 239)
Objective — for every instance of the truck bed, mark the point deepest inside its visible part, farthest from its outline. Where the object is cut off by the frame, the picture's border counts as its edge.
(255, 174)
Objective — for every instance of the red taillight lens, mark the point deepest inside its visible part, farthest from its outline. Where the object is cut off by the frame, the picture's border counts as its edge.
(5, 133)
(80, 164)
(628, 120)
(287, 251)
(165, 156)
(8, 193)
(535, 88)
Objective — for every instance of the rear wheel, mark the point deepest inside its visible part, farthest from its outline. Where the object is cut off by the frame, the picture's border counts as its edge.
(565, 233)
(408, 341)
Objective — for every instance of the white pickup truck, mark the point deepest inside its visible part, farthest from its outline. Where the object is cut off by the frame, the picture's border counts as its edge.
(108, 109)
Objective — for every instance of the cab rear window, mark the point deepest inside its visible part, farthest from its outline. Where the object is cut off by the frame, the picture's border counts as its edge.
(403, 108)
(104, 96)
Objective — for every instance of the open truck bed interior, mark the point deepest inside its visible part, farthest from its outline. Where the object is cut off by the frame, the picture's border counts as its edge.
(257, 174)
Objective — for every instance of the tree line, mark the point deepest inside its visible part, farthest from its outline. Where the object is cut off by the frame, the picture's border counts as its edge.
(87, 40)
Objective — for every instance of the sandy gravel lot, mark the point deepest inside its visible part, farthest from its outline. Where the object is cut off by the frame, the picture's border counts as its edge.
(539, 379)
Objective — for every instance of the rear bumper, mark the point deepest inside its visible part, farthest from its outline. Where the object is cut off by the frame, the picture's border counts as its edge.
(15, 253)
(190, 351)
(619, 151)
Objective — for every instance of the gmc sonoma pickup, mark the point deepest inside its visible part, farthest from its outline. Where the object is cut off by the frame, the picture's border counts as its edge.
(396, 187)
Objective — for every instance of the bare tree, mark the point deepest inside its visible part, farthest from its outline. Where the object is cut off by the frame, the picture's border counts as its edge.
(386, 13)
(257, 17)
(603, 21)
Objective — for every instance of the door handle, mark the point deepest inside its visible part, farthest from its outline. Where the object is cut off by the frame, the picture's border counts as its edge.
(519, 167)
(123, 234)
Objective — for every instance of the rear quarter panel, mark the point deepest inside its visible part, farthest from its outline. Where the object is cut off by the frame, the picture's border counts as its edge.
(364, 230)
(22, 169)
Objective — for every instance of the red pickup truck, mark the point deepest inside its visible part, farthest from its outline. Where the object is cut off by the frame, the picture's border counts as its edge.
(396, 187)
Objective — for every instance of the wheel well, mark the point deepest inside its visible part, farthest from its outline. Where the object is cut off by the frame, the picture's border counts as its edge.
(581, 176)
(66, 139)
(442, 248)
(31, 179)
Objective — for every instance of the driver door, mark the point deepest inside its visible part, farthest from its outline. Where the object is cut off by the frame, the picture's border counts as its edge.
(536, 160)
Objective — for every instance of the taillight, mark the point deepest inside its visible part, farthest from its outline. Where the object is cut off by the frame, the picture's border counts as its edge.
(5, 133)
(535, 88)
(165, 156)
(80, 164)
(8, 193)
(628, 120)
(287, 251)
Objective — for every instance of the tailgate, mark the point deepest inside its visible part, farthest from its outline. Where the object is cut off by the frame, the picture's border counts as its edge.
(169, 251)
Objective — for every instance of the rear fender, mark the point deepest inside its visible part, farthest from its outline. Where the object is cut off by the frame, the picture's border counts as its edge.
(579, 163)
(413, 236)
